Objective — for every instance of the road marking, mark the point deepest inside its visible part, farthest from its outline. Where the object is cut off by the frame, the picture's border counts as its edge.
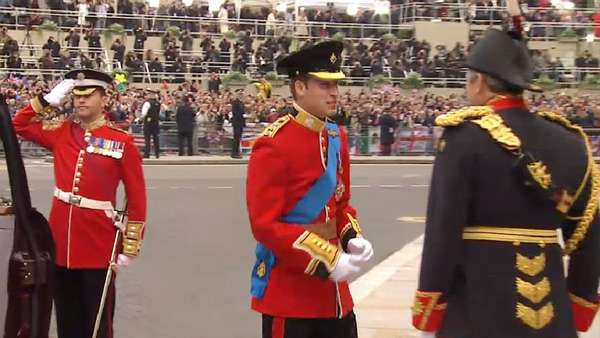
(150, 188)
(360, 186)
(220, 187)
(364, 285)
(390, 185)
(409, 176)
(420, 185)
(412, 219)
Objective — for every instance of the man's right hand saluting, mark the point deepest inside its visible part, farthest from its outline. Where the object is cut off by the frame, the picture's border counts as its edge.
(60, 93)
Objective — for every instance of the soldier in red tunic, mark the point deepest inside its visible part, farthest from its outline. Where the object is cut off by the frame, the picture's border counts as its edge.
(91, 157)
(298, 193)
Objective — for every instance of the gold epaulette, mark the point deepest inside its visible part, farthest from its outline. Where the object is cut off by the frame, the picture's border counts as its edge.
(274, 127)
(457, 117)
(51, 124)
(112, 126)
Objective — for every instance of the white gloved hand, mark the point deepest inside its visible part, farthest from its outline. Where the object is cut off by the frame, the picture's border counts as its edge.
(60, 93)
(345, 268)
(123, 261)
(361, 247)
(427, 335)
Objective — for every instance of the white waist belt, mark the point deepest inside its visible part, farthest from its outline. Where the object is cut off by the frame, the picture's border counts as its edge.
(82, 202)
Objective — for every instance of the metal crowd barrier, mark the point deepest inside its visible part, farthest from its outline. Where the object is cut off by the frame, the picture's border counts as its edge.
(366, 141)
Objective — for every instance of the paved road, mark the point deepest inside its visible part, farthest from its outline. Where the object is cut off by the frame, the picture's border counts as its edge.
(192, 278)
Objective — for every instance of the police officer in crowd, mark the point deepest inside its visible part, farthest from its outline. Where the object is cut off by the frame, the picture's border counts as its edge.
(151, 116)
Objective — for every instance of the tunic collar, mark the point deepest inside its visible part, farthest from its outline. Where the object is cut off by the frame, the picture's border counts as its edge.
(308, 120)
(501, 102)
(101, 121)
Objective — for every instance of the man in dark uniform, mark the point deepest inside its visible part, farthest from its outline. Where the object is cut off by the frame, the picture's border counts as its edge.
(388, 126)
(238, 121)
(185, 125)
(505, 183)
(151, 117)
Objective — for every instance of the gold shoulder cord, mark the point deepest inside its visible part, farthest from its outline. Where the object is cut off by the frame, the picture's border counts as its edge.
(592, 205)
(457, 117)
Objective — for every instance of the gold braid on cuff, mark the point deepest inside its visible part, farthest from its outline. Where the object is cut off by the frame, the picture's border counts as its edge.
(42, 111)
(132, 238)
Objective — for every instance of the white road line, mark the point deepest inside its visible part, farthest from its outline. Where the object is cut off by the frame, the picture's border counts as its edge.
(364, 285)
(150, 188)
(420, 185)
(360, 186)
(409, 176)
(220, 187)
(390, 185)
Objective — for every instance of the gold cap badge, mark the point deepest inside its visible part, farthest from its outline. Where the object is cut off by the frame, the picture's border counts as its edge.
(333, 58)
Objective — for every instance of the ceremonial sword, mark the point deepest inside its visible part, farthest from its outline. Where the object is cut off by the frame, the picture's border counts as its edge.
(119, 220)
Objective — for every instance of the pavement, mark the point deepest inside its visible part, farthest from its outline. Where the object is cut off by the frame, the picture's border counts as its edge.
(226, 160)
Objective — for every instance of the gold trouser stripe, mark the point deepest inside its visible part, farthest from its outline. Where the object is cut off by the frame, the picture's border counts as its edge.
(510, 235)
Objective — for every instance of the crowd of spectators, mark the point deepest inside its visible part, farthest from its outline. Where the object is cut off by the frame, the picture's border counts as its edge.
(251, 50)
(214, 108)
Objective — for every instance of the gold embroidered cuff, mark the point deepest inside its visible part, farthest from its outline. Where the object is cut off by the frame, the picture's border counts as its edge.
(134, 230)
(41, 109)
(427, 312)
(132, 238)
(319, 250)
(131, 247)
(585, 303)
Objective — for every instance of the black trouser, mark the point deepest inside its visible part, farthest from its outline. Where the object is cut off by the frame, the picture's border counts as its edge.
(187, 136)
(235, 147)
(279, 327)
(77, 300)
(151, 131)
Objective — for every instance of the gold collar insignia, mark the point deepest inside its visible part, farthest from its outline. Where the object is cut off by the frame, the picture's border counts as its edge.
(92, 125)
(309, 121)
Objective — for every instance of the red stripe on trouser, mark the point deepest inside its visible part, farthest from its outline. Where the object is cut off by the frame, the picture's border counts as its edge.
(278, 329)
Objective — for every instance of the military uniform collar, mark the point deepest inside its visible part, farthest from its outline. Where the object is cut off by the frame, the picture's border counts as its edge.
(92, 125)
(502, 102)
(308, 120)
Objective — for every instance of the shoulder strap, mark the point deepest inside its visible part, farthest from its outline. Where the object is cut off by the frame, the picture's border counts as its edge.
(274, 127)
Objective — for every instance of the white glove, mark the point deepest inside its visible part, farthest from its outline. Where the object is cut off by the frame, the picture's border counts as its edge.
(361, 247)
(345, 268)
(60, 93)
(427, 335)
(123, 261)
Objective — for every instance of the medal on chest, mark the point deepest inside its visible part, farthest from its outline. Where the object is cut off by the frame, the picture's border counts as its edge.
(104, 147)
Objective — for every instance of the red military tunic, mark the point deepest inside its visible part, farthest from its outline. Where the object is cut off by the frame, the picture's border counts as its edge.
(285, 163)
(84, 237)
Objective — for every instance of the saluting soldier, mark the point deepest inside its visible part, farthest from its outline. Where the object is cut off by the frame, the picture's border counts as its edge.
(505, 183)
(298, 197)
(91, 157)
